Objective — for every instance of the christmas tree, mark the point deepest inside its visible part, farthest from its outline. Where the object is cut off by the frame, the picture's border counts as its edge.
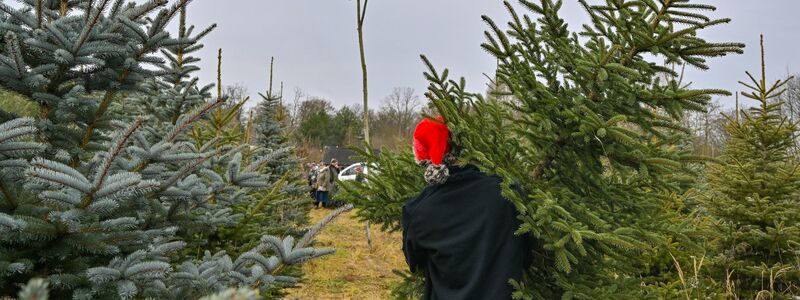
(270, 117)
(592, 136)
(177, 91)
(269, 131)
(590, 129)
(283, 208)
(393, 178)
(98, 203)
(753, 197)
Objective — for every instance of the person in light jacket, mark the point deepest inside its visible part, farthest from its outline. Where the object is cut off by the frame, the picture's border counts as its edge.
(326, 183)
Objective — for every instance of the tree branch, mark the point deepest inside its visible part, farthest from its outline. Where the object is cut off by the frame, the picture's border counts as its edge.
(89, 26)
(115, 150)
(39, 14)
(7, 194)
(363, 12)
(106, 166)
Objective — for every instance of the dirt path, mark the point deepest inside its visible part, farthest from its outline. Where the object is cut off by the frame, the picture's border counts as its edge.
(353, 272)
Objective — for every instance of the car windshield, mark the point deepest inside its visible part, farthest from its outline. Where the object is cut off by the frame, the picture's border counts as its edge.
(350, 170)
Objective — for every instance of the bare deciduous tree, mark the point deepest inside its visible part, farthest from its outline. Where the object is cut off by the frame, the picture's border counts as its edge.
(790, 104)
(708, 128)
(361, 12)
(293, 109)
(401, 110)
(791, 99)
(235, 93)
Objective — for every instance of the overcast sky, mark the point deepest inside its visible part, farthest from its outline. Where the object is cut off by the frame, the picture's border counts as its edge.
(314, 42)
(315, 45)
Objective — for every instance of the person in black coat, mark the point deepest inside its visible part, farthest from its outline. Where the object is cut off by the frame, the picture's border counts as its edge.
(459, 230)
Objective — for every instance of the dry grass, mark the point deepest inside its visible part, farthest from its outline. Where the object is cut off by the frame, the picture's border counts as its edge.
(354, 271)
(16, 103)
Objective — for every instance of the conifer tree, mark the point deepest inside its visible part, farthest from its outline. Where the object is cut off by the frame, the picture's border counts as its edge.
(177, 91)
(98, 203)
(592, 135)
(270, 132)
(753, 197)
(396, 178)
(288, 204)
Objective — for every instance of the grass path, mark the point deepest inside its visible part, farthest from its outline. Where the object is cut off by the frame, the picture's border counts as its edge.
(354, 271)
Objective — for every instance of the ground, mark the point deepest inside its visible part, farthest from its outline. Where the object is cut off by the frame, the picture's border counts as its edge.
(354, 271)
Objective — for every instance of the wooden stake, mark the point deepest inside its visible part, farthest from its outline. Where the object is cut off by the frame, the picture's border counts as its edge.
(271, 63)
(737, 107)
(281, 111)
(369, 235)
(219, 74)
(181, 34)
(249, 129)
(63, 9)
(280, 95)
(39, 14)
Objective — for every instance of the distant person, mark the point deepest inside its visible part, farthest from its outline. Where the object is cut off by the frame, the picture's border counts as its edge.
(312, 180)
(335, 169)
(326, 183)
(459, 231)
(360, 176)
(309, 172)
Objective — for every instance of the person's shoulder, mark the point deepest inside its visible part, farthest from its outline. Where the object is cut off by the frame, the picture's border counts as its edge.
(476, 178)
(412, 203)
(479, 186)
(493, 178)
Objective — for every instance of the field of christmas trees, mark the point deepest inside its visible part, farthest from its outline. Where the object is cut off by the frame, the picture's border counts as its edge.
(124, 174)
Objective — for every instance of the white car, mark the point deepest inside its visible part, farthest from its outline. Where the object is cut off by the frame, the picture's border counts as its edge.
(349, 173)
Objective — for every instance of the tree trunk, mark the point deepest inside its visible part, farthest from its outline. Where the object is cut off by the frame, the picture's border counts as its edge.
(360, 16)
(360, 13)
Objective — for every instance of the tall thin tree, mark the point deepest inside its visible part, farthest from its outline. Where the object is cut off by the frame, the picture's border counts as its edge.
(361, 11)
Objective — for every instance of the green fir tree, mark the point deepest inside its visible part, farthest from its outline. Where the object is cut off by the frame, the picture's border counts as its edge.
(753, 198)
(592, 137)
(394, 178)
(591, 132)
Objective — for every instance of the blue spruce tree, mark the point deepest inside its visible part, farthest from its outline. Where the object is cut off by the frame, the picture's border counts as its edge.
(269, 129)
(288, 205)
(98, 203)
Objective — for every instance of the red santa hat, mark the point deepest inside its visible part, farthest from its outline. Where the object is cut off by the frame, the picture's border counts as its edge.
(431, 138)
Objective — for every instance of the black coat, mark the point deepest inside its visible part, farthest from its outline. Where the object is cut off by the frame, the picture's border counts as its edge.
(461, 234)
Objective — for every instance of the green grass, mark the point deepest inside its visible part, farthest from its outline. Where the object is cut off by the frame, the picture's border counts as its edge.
(16, 103)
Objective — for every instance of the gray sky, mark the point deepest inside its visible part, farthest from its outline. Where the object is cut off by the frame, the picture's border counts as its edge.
(315, 43)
